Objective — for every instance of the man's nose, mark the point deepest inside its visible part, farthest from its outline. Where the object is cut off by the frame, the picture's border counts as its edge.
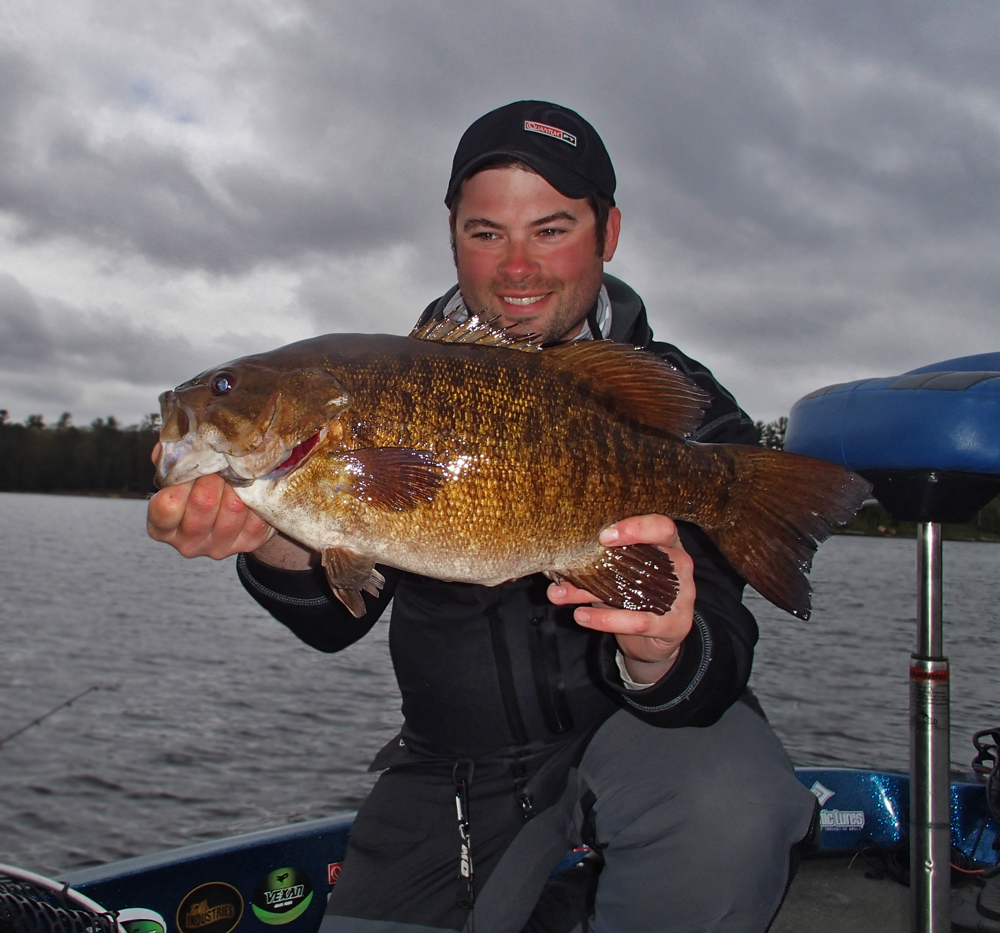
(518, 262)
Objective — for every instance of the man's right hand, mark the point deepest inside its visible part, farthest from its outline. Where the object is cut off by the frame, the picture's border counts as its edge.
(205, 518)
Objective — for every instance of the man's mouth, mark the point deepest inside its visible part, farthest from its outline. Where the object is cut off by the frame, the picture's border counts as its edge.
(521, 302)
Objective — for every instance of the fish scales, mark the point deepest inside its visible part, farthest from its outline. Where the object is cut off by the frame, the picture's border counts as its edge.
(483, 463)
(519, 481)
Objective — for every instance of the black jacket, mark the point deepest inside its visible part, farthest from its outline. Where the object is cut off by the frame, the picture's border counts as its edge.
(493, 670)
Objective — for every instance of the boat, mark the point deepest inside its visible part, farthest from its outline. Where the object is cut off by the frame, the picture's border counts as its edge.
(929, 440)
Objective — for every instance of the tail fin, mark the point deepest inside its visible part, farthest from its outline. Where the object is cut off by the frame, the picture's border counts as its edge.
(782, 509)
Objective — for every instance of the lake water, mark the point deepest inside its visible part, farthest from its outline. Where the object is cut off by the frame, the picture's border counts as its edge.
(212, 719)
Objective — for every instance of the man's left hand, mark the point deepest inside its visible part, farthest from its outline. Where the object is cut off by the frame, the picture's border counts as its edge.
(649, 641)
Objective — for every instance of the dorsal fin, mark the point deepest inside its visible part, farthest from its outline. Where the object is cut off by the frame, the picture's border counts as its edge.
(484, 332)
(640, 384)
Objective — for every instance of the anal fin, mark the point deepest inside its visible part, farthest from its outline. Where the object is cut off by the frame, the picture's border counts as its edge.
(639, 577)
(348, 573)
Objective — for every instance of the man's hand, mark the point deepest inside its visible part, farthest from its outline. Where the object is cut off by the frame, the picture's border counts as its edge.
(205, 518)
(649, 641)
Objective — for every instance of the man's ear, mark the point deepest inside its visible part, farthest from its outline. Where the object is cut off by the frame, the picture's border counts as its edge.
(611, 232)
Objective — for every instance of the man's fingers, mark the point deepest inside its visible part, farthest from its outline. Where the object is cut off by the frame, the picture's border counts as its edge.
(231, 515)
(165, 511)
(620, 621)
(565, 594)
(254, 533)
(203, 506)
(658, 530)
(205, 518)
(644, 636)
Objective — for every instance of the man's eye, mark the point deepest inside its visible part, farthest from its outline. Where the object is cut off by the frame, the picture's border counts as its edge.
(551, 231)
(486, 235)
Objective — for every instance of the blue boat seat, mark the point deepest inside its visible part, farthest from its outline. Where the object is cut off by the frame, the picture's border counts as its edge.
(929, 439)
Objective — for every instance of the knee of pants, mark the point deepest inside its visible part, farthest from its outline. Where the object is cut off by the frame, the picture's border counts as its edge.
(731, 782)
(707, 858)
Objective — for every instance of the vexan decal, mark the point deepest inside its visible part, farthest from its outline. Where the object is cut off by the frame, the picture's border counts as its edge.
(283, 895)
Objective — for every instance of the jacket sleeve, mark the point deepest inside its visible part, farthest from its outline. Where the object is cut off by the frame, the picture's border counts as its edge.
(304, 602)
(713, 667)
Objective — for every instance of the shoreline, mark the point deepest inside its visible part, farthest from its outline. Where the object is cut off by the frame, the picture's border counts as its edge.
(863, 525)
(82, 493)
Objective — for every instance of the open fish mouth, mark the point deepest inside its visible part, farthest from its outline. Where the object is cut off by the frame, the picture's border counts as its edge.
(184, 460)
(187, 459)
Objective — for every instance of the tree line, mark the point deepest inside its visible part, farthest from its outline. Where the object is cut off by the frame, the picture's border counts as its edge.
(108, 458)
(103, 457)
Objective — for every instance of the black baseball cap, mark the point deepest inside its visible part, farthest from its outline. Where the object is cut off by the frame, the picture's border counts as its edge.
(555, 141)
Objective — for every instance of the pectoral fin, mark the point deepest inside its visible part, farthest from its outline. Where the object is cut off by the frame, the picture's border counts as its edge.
(638, 576)
(395, 478)
(348, 573)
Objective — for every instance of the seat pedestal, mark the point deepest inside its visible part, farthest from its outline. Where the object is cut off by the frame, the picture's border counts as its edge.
(930, 754)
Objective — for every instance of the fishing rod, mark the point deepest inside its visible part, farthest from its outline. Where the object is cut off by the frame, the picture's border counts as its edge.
(55, 709)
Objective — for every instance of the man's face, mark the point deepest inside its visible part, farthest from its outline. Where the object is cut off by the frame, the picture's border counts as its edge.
(527, 253)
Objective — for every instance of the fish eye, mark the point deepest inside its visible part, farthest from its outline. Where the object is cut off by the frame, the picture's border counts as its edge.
(221, 383)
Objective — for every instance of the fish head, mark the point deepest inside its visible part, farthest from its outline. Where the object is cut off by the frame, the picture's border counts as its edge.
(246, 420)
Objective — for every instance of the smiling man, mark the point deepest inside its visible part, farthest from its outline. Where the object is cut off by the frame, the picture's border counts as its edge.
(527, 253)
(536, 720)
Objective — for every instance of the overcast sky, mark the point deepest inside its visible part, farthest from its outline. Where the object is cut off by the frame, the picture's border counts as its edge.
(810, 190)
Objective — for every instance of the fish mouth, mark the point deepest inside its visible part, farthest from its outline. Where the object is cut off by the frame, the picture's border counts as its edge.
(183, 460)
(186, 459)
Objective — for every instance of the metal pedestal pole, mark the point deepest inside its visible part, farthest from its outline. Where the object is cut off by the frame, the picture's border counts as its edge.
(930, 791)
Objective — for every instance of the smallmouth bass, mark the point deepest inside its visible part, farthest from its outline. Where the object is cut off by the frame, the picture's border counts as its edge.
(464, 454)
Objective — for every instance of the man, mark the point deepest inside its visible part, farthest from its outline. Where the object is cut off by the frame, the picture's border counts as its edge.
(530, 725)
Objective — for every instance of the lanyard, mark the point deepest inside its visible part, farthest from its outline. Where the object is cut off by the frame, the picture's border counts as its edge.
(466, 890)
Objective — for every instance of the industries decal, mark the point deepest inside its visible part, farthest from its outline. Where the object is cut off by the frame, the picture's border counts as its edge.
(215, 907)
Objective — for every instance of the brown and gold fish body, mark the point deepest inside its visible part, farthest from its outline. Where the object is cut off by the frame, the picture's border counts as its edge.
(460, 459)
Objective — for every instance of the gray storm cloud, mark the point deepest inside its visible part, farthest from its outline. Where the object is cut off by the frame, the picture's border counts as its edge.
(810, 190)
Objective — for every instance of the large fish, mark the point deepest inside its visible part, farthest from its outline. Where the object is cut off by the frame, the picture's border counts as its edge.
(462, 453)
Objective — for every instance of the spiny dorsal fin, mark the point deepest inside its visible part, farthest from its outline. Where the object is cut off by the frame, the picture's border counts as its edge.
(641, 385)
(475, 329)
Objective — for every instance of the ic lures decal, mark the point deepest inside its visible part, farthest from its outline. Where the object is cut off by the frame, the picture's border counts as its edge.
(283, 895)
(215, 907)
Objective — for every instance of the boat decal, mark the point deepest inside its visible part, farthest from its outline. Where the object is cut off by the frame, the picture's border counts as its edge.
(842, 819)
(281, 896)
(821, 793)
(215, 907)
(141, 920)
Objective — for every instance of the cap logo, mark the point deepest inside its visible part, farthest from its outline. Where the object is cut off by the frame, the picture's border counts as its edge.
(532, 127)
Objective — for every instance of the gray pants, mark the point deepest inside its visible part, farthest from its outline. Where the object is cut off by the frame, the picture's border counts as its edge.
(696, 827)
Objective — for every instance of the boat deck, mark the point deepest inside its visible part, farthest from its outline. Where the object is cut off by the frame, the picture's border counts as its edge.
(832, 895)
